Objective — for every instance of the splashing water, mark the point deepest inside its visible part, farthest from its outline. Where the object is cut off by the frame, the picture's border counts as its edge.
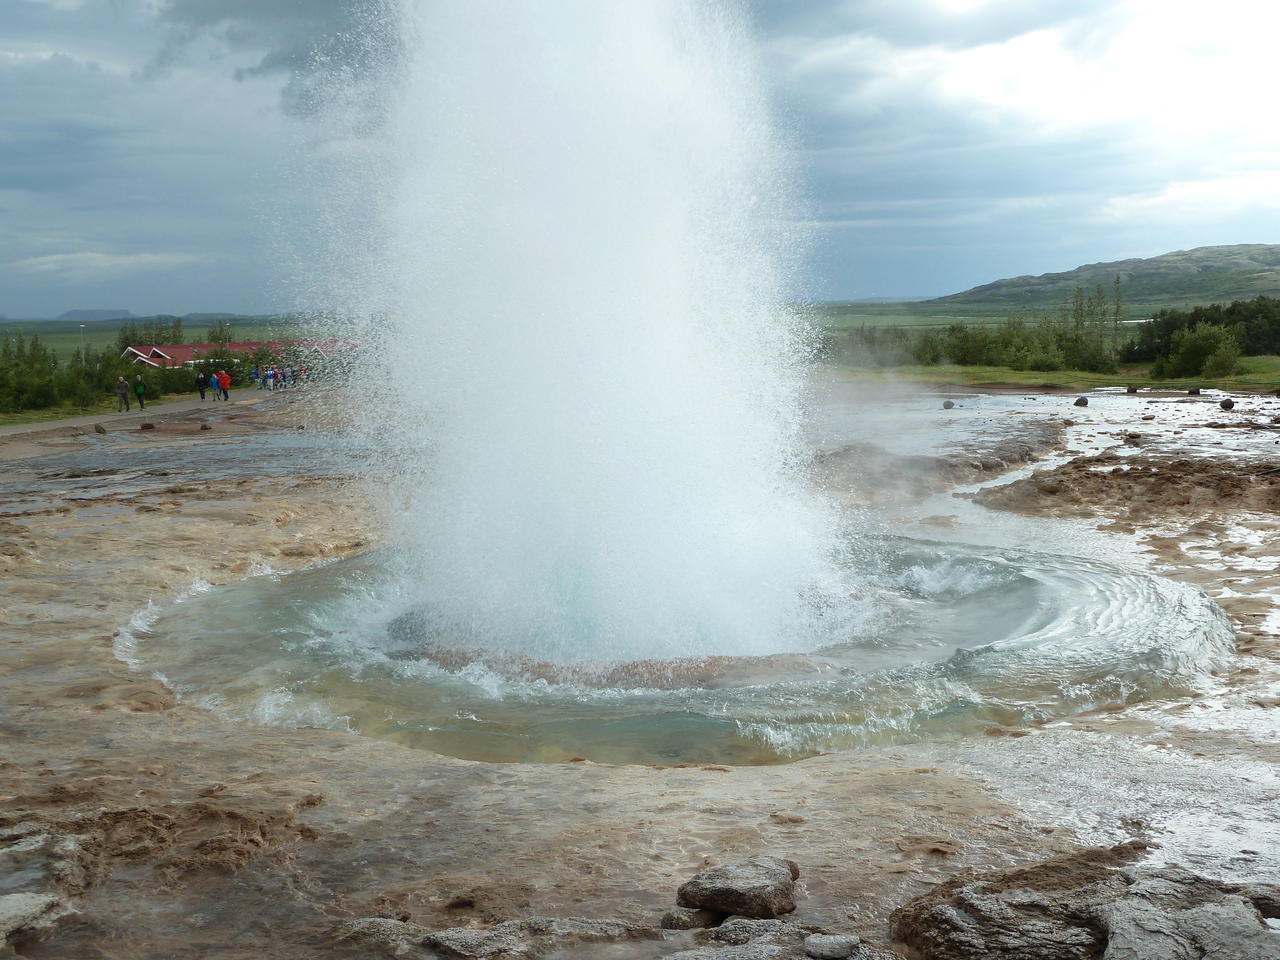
(576, 281)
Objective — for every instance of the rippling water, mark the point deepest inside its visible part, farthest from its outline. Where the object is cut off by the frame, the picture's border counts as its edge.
(955, 640)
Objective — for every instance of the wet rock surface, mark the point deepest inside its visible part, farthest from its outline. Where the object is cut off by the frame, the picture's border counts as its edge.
(1089, 905)
(1088, 486)
(759, 887)
(877, 475)
(739, 938)
(688, 918)
(825, 946)
(510, 940)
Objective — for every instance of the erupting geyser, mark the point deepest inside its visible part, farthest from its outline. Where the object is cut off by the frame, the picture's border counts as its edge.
(578, 287)
(566, 228)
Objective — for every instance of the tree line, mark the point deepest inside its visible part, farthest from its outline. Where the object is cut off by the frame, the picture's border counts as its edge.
(1083, 334)
(34, 377)
(1086, 334)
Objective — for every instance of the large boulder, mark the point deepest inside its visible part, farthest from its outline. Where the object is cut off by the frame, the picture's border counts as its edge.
(759, 887)
(1091, 905)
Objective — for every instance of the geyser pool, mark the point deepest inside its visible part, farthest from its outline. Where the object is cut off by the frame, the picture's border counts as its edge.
(960, 639)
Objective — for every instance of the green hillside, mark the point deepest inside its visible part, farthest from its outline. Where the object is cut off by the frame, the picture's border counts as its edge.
(1179, 279)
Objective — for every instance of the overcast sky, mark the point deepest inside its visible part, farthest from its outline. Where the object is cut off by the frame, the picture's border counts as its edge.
(945, 143)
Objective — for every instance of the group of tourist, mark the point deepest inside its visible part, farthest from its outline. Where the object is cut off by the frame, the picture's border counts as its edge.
(278, 378)
(217, 383)
(123, 388)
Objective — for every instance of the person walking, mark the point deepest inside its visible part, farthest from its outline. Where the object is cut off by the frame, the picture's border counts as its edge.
(271, 378)
(224, 384)
(202, 383)
(140, 389)
(254, 376)
(122, 395)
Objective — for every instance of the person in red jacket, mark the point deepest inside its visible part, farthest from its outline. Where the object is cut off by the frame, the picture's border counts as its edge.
(224, 384)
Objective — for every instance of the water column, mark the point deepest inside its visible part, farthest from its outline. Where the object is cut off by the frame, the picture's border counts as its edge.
(577, 300)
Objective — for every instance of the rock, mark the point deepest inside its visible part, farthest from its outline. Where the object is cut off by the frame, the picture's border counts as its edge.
(759, 887)
(394, 937)
(22, 911)
(62, 859)
(686, 918)
(948, 404)
(1149, 416)
(1086, 906)
(301, 427)
(747, 951)
(1082, 402)
(1194, 392)
(205, 426)
(825, 946)
(1227, 403)
(99, 428)
(739, 930)
(1130, 389)
(146, 426)
(510, 940)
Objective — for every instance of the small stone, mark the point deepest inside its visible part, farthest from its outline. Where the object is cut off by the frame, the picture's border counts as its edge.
(205, 426)
(1082, 401)
(824, 946)
(99, 428)
(686, 918)
(1194, 392)
(1227, 403)
(759, 887)
(1130, 389)
(948, 404)
(146, 426)
(1149, 416)
(740, 930)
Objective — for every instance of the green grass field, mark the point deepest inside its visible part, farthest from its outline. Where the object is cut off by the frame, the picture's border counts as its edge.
(1256, 374)
(843, 316)
(67, 337)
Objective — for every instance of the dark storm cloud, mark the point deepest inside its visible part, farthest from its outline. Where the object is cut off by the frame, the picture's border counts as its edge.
(309, 44)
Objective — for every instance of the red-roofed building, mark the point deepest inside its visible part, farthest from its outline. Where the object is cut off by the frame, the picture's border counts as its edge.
(186, 354)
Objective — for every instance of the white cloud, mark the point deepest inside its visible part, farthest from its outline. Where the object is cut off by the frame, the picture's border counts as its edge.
(90, 266)
(60, 4)
(1191, 200)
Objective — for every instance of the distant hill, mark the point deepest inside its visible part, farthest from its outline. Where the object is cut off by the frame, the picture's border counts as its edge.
(1182, 278)
(89, 316)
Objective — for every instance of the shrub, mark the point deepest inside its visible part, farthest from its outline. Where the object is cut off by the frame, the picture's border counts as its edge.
(1195, 347)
